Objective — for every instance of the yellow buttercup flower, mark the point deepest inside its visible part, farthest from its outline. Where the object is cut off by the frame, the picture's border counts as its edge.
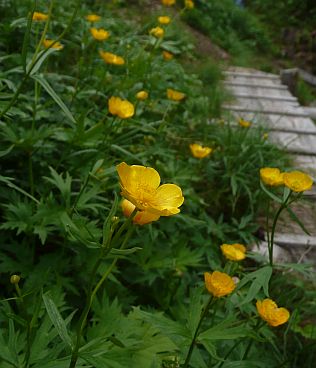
(189, 4)
(93, 18)
(167, 55)
(141, 217)
(219, 283)
(175, 95)
(164, 19)
(50, 44)
(200, 151)
(99, 34)
(297, 181)
(168, 2)
(110, 58)
(141, 186)
(121, 108)
(39, 17)
(142, 95)
(234, 252)
(269, 312)
(271, 176)
(157, 32)
(244, 123)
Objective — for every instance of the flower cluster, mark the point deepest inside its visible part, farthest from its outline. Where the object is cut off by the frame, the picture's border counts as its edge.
(297, 181)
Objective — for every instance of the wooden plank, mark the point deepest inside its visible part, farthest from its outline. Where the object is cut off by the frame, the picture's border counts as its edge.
(311, 111)
(306, 163)
(280, 123)
(252, 90)
(295, 240)
(254, 80)
(251, 75)
(255, 85)
(268, 105)
(294, 142)
(290, 111)
(240, 69)
(266, 97)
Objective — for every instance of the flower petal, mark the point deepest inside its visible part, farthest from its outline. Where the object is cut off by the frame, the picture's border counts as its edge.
(167, 199)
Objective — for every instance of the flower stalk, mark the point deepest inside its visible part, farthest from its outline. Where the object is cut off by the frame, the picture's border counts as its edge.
(193, 342)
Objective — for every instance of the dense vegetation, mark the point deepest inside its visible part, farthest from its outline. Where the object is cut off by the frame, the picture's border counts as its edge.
(88, 287)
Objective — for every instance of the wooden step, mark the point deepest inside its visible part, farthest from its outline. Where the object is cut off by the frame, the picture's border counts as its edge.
(251, 75)
(256, 85)
(288, 111)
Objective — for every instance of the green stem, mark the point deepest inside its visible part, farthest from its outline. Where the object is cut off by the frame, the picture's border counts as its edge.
(92, 291)
(209, 303)
(277, 215)
(256, 328)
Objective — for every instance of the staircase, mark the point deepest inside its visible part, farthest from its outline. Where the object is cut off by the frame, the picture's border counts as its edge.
(261, 98)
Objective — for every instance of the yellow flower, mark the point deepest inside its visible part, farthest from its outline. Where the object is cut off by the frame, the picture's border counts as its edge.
(200, 151)
(99, 34)
(269, 312)
(121, 108)
(39, 17)
(175, 95)
(167, 55)
(157, 32)
(110, 58)
(141, 186)
(141, 217)
(189, 4)
(219, 283)
(265, 136)
(93, 18)
(50, 44)
(234, 252)
(164, 19)
(297, 181)
(271, 176)
(168, 2)
(244, 123)
(142, 95)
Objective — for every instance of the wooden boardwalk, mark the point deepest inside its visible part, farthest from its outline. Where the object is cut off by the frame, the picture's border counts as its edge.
(262, 99)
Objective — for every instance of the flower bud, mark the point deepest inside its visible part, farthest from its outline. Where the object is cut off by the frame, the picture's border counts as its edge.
(15, 279)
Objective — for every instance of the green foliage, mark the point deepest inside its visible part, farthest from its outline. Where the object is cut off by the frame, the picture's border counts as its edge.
(96, 289)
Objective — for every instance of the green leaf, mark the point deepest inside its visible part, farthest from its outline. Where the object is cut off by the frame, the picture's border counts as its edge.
(260, 280)
(8, 150)
(270, 194)
(8, 182)
(195, 310)
(223, 331)
(124, 252)
(43, 82)
(297, 220)
(57, 320)
(42, 56)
